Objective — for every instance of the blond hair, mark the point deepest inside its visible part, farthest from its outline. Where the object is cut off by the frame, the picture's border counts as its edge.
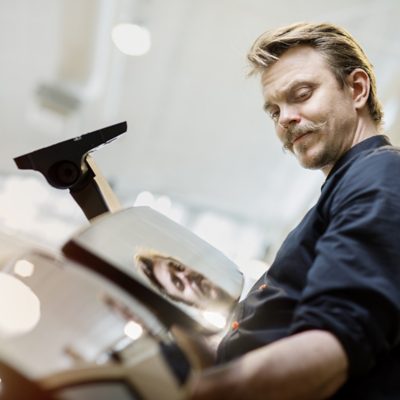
(339, 48)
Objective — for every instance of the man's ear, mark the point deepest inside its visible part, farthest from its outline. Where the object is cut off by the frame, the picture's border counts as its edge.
(359, 84)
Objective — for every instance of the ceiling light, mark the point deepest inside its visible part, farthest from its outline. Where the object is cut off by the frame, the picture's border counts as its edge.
(131, 39)
(145, 199)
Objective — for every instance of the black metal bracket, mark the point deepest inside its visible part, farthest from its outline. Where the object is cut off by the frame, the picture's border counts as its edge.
(68, 165)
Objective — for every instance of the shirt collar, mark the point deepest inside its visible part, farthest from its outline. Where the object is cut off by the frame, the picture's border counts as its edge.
(367, 144)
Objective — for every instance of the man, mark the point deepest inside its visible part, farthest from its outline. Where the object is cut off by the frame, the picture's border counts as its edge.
(182, 283)
(324, 321)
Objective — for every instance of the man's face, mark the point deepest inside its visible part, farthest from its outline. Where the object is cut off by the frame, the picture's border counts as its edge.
(314, 117)
(183, 283)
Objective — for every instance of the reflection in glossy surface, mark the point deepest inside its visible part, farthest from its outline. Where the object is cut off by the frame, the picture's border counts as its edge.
(215, 318)
(133, 330)
(82, 316)
(180, 282)
(19, 306)
(98, 391)
(23, 268)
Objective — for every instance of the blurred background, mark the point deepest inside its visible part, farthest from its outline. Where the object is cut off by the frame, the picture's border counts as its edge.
(199, 148)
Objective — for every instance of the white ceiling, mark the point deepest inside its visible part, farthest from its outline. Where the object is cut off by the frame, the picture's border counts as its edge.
(196, 130)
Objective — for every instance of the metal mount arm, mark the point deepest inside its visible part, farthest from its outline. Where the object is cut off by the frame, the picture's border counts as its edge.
(68, 165)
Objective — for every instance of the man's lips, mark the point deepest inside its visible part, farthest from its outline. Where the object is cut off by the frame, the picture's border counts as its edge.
(298, 137)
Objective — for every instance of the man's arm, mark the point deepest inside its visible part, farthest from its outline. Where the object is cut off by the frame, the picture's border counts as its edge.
(308, 365)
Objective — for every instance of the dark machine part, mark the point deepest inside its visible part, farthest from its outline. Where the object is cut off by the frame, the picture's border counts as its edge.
(67, 165)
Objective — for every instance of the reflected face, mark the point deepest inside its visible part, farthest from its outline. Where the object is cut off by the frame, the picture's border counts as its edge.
(180, 282)
(315, 118)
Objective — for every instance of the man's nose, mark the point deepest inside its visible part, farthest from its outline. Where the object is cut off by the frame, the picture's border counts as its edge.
(288, 115)
(184, 276)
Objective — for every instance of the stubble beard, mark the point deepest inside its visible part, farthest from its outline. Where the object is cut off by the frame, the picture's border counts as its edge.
(324, 155)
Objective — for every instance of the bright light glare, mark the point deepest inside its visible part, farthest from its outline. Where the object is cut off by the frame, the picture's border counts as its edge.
(144, 199)
(19, 306)
(24, 268)
(164, 204)
(131, 39)
(133, 330)
(214, 318)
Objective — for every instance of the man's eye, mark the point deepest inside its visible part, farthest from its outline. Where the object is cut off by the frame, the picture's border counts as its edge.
(303, 94)
(274, 115)
(178, 283)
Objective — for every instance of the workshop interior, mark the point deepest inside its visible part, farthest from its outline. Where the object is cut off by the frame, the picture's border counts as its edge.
(134, 143)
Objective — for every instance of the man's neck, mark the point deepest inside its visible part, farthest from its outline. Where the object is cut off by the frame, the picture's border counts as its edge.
(364, 129)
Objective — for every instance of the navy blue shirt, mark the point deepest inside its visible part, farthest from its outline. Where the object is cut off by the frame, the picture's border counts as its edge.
(339, 270)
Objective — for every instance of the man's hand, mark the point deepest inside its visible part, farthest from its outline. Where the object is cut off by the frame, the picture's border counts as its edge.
(309, 365)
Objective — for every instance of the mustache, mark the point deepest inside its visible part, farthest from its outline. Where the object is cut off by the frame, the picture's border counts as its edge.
(294, 131)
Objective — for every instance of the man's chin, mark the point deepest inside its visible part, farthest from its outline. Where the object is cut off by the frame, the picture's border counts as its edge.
(309, 162)
(309, 156)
